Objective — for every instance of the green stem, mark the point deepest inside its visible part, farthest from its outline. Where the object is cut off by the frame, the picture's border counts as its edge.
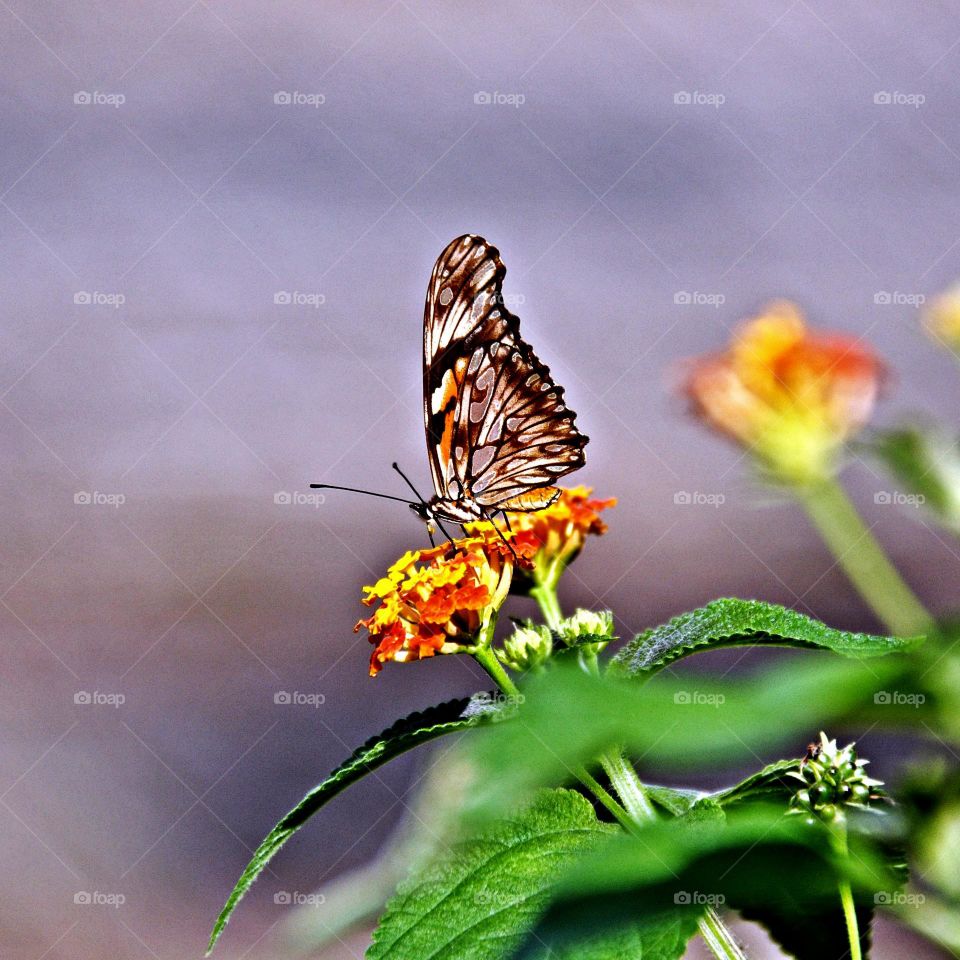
(545, 593)
(862, 558)
(488, 660)
(626, 783)
(631, 791)
(839, 838)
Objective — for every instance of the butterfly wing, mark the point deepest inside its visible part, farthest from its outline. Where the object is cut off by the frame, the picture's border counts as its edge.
(464, 307)
(514, 435)
(497, 427)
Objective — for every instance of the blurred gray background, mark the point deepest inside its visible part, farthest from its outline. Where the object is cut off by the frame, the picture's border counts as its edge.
(218, 220)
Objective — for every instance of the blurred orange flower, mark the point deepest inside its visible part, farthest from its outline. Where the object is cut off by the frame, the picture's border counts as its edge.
(435, 601)
(790, 395)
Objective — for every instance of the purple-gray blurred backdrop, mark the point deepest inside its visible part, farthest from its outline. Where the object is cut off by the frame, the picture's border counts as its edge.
(218, 219)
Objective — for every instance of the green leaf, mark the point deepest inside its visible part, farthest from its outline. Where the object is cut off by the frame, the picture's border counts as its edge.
(417, 728)
(927, 463)
(475, 904)
(569, 717)
(755, 857)
(729, 622)
(772, 783)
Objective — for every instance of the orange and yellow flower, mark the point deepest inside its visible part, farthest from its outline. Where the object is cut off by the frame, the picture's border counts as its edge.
(435, 601)
(790, 395)
(559, 530)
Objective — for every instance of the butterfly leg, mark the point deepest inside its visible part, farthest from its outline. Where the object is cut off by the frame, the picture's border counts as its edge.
(506, 520)
(488, 518)
(443, 530)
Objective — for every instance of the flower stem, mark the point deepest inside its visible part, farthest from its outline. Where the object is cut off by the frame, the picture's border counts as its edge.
(626, 783)
(488, 660)
(838, 836)
(545, 593)
(862, 558)
(631, 791)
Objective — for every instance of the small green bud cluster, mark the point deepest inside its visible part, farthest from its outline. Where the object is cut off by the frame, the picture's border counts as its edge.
(833, 779)
(529, 647)
(587, 626)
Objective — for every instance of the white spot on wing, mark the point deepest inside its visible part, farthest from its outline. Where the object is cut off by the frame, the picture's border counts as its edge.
(446, 295)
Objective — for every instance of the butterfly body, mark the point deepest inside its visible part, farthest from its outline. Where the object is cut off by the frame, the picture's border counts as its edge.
(499, 434)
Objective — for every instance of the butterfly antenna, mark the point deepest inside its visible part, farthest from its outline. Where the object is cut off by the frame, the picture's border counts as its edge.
(368, 493)
(406, 480)
(416, 492)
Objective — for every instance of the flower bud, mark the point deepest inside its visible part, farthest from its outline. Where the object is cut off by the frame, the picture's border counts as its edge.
(586, 625)
(834, 780)
(529, 646)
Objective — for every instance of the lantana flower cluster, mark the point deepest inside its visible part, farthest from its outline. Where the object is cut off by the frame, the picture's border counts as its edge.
(436, 601)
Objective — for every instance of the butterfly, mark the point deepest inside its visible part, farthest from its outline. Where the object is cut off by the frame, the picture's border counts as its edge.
(498, 432)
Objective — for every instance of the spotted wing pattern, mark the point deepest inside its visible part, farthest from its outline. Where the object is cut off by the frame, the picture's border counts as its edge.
(497, 427)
